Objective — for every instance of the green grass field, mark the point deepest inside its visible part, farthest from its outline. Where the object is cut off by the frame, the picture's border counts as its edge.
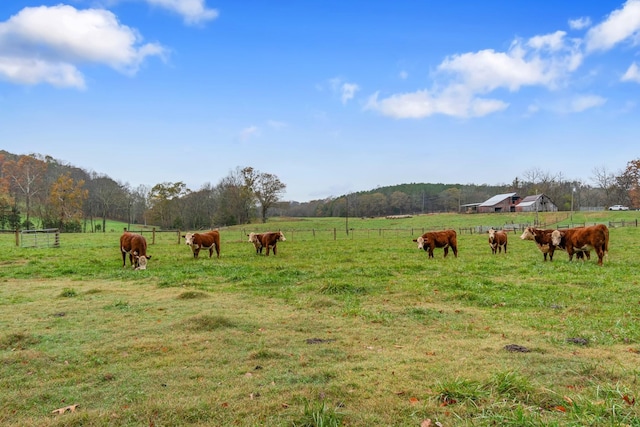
(356, 330)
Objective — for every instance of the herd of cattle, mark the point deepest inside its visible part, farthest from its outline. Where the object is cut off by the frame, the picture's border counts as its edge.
(135, 245)
(579, 241)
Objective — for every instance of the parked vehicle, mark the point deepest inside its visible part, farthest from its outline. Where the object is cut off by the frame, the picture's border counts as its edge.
(618, 208)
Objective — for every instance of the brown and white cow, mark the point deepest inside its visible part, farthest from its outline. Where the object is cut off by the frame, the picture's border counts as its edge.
(136, 246)
(269, 241)
(438, 239)
(497, 241)
(255, 238)
(583, 239)
(542, 237)
(209, 240)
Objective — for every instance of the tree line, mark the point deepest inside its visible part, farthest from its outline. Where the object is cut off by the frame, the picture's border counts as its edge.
(39, 191)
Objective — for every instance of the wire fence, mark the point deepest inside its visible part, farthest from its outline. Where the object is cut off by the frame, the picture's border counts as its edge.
(328, 234)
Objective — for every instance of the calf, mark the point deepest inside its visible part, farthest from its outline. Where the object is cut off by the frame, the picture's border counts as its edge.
(256, 240)
(582, 239)
(270, 241)
(136, 246)
(542, 239)
(497, 241)
(209, 240)
(438, 239)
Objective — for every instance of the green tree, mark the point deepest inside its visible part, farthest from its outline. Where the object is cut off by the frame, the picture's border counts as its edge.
(165, 202)
(267, 188)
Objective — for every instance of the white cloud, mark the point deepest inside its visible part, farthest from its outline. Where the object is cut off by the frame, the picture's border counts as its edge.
(579, 23)
(48, 44)
(632, 74)
(345, 90)
(464, 79)
(348, 91)
(585, 102)
(620, 25)
(249, 132)
(192, 11)
(274, 124)
(455, 102)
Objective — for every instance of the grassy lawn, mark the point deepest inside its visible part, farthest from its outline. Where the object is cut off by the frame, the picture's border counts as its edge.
(356, 330)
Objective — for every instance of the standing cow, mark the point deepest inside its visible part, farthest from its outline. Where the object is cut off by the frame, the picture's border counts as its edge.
(256, 239)
(270, 241)
(497, 241)
(438, 239)
(542, 238)
(209, 240)
(136, 246)
(582, 239)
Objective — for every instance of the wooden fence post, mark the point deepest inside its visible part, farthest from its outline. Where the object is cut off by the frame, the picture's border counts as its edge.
(153, 236)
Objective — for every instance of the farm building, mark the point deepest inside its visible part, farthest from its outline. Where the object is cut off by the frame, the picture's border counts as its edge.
(500, 203)
(537, 203)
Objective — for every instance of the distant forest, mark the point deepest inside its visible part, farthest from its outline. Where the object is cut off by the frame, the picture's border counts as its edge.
(38, 191)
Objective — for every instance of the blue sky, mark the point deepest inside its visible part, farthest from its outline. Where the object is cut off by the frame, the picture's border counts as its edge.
(330, 96)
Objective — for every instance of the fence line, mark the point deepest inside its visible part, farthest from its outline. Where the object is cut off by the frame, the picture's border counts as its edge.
(366, 233)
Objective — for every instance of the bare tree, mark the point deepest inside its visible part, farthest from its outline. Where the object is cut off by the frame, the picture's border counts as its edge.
(26, 178)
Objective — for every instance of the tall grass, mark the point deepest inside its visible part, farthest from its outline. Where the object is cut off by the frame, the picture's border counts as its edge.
(355, 331)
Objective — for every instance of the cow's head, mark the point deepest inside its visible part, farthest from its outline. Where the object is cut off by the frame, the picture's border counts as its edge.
(140, 261)
(253, 237)
(420, 240)
(556, 237)
(492, 234)
(281, 237)
(527, 234)
(188, 239)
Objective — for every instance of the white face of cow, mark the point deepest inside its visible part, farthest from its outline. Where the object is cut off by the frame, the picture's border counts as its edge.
(556, 237)
(188, 239)
(142, 263)
(527, 234)
(492, 234)
(282, 238)
(420, 241)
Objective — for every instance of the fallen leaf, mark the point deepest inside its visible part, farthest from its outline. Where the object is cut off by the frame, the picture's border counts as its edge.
(413, 400)
(568, 400)
(560, 408)
(70, 408)
(426, 423)
(628, 400)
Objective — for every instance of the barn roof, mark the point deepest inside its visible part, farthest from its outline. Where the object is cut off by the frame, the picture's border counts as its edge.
(497, 199)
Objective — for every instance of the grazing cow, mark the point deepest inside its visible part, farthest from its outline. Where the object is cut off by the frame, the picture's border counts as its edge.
(582, 239)
(438, 239)
(209, 240)
(136, 246)
(497, 240)
(256, 240)
(269, 241)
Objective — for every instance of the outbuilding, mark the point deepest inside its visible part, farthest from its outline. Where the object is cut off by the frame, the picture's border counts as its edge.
(500, 203)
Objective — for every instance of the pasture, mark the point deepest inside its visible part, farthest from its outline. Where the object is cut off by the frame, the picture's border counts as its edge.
(355, 330)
